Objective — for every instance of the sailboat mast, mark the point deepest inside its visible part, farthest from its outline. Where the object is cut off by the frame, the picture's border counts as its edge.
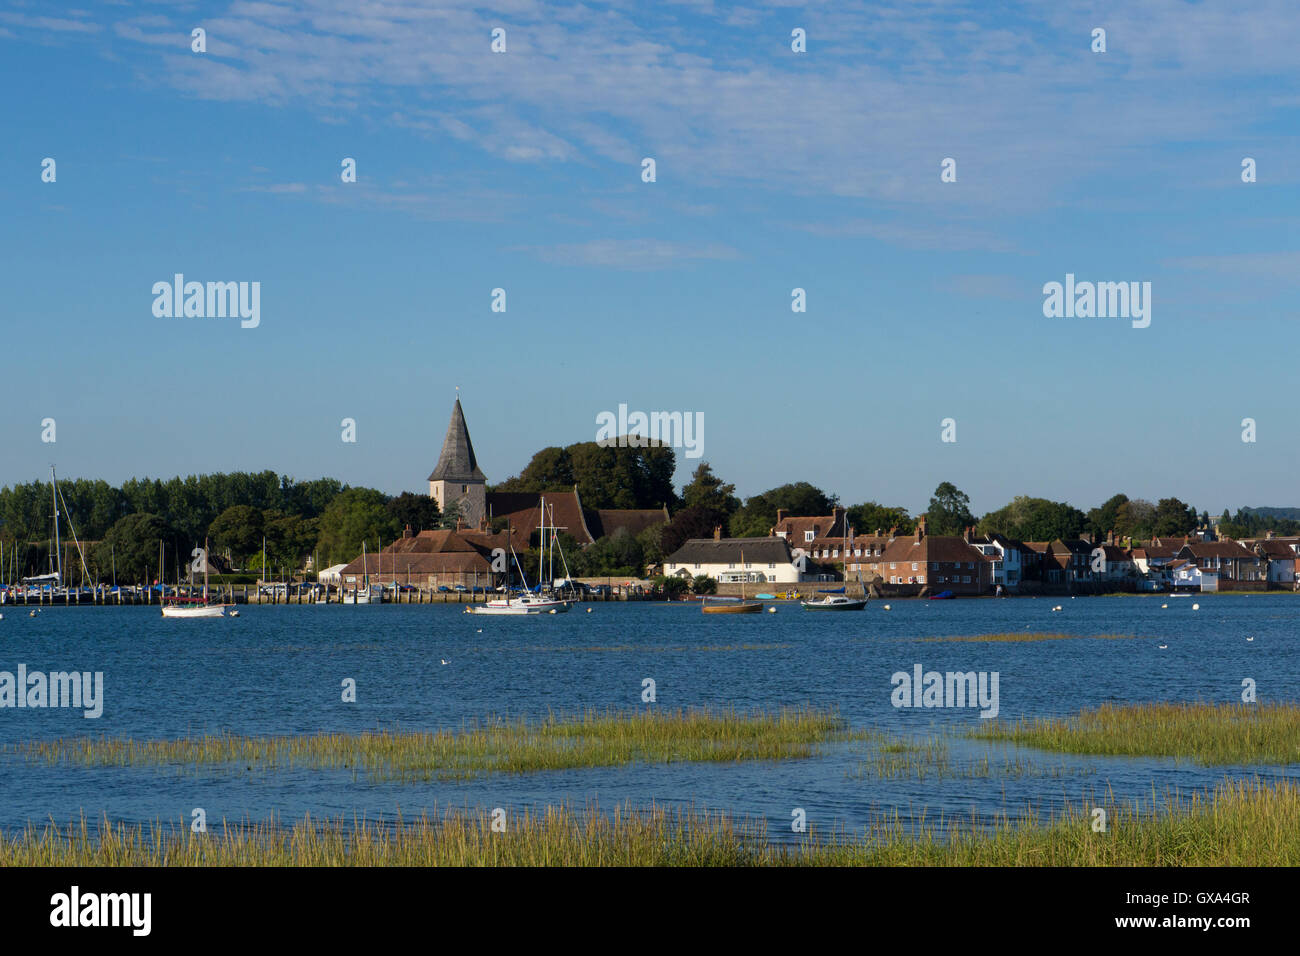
(54, 497)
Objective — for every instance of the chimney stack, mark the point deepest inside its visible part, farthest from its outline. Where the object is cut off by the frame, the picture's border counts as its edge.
(920, 528)
(406, 532)
(780, 513)
(717, 532)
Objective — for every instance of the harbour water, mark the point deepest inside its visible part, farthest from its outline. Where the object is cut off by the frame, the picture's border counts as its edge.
(279, 670)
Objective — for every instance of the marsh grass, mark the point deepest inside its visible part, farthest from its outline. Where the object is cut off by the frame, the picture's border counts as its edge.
(1242, 823)
(591, 739)
(895, 758)
(1013, 637)
(1209, 734)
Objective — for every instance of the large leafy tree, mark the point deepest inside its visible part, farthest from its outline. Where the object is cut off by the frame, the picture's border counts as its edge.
(354, 517)
(132, 545)
(1103, 519)
(419, 511)
(1034, 519)
(238, 530)
(709, 492)
(698, 521)
(870, 517)
(949, 511)
(607, 476)
(1173, 518)
(758, 515)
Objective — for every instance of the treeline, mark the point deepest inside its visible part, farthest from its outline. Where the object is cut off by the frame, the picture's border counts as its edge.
(240, 513)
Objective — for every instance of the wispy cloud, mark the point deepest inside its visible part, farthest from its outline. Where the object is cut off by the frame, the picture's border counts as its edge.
(636, 254)
(886, 90)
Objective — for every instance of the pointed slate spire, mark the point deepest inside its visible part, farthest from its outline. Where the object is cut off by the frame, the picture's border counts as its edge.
(457, 461)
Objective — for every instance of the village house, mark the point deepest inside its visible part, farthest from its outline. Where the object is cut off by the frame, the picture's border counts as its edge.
(1007, 555)
(766, 560)
(1280, 555)
(1228, 558)
(927, 564)
(432, 559)
(1187, 576)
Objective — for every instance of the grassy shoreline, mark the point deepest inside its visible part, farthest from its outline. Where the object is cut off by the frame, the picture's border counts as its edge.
(1245, 823)
(1210, 734)
(590, 739)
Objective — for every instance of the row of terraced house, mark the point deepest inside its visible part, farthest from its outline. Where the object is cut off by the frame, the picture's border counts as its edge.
(825, 548)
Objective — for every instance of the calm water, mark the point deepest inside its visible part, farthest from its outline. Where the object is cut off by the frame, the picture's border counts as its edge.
(277, 670)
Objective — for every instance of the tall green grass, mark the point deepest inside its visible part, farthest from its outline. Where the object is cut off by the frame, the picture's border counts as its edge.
(591, 739)
(895, 758)
(1210, 734)
(1248, 823)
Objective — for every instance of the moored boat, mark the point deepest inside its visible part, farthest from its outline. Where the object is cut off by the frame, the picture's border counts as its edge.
(731, 606)
(835, 602)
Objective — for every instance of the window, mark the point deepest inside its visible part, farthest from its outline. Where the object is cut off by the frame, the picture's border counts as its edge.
(934, 565)
(771, 567)
(807, 535)
(913, 565)
(892, 565)
(921, 579)
(730, 564)
(464, 489)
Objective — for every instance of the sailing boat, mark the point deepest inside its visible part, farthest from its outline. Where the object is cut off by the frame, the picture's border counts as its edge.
(359, 596)
(528, 602)
(54, 580)
(837, 600)
(732, 605)
(191, 607)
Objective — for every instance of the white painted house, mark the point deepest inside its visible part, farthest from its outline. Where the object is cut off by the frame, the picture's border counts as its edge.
(732, 560)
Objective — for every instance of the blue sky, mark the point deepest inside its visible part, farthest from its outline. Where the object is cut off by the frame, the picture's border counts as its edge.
(775, 170)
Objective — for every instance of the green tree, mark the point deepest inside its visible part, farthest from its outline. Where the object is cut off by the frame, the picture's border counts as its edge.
(132, 544)
(1103, 519)
(693, 522)
(419, 511)
(758, 516)
(707, 491)
(949, 511)
(354, 517)
(869, 517)
(703, 584)
(1173, 518)
(237, 530)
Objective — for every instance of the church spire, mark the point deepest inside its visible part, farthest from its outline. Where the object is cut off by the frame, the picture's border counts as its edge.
(457, 461)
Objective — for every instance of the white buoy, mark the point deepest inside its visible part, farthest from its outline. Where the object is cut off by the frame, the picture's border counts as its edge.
(886, 607)
(1249, 639)
(1162, 646)
(1164, 605)
(551, 611)
(588, 610)
(1196, 607)
(31, 614)
(443, 661)
(234, 614)
(771, 610)
(479, 631)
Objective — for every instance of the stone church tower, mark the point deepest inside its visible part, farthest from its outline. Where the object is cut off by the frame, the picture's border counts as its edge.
(457, 478)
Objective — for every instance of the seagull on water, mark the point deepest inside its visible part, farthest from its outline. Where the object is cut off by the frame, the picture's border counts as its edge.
(443, 661)
(1163, 646)
(1249, 639)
